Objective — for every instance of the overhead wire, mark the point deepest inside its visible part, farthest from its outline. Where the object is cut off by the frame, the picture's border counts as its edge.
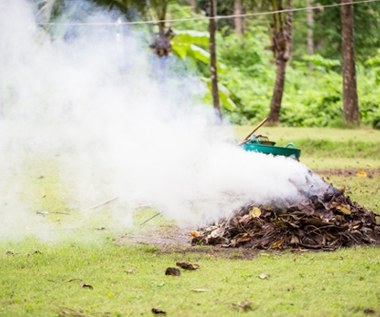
(206, 18)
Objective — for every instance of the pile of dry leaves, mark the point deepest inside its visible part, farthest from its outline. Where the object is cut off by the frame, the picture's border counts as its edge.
(326, 222)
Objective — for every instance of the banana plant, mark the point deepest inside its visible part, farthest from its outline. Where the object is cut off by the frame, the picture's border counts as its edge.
(191, 45)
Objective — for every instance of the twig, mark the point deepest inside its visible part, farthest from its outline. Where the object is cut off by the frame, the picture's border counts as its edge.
(103, 203)
(149, 219)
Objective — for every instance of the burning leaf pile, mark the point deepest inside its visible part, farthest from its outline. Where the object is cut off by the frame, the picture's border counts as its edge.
(327, 223)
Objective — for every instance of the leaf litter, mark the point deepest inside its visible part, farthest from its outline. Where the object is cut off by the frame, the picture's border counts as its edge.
(324, 222)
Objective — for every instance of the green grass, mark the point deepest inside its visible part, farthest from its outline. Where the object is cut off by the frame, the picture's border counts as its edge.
(339, 135)
(129, 280)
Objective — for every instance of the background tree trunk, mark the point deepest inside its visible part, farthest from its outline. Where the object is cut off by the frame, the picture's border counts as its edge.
(214, 71)
(194, 5)
(282, 39)
(238, 10)
(278, 90)
(310, 30)
(350, 96)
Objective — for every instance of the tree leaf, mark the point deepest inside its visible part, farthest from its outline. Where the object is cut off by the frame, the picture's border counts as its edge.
(344, 209)
(255, 212)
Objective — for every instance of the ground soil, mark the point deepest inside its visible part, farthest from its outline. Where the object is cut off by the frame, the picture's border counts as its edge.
(347, 172)
(178, 240)
(162, 237)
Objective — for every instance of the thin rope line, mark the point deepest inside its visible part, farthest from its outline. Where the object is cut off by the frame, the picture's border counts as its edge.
(220, 17)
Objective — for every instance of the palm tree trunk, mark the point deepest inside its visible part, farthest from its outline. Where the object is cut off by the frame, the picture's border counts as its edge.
(214, 70)
(282, 39)
(278, 91)
(310, 30)
(194, 5)
(350, 96)
(238, 10)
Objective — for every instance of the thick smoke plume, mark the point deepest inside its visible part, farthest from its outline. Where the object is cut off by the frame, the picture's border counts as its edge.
(100, 112)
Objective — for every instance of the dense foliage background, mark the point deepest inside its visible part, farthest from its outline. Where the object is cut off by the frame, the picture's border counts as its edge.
(313, 86)
(313, 95)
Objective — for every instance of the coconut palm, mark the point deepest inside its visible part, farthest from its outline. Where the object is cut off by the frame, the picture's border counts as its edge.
(281, 46)
(48, 9)
(155, 10)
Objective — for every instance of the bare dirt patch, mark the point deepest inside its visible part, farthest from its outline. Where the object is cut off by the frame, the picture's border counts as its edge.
(349, 172)
(173, 239)
(162, 237)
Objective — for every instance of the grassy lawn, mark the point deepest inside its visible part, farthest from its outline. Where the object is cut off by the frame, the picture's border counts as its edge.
(130, 281)
(93, 273)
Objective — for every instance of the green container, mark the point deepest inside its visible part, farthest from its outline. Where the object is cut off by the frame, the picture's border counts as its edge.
(254, 145)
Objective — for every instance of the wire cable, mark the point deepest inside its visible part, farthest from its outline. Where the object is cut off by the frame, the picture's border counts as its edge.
(205, 18)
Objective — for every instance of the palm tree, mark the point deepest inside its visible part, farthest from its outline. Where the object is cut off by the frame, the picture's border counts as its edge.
(47, 9)
(350, 96)
(148, 9)
(161, 44)
(238, 10)
(213, 64)
(281, 46)
(157, 10)
(310, 31)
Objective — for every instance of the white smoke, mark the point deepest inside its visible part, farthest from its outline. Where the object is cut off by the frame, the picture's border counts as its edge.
(116, 122)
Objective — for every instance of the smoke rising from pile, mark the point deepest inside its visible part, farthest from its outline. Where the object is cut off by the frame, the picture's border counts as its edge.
(97, 109)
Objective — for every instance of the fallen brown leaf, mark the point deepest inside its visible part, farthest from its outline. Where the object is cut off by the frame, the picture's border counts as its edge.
(158, 311)
(362, 174)
(369, 311)
(199, 290)
(188, 266)
(84, 285)
(263, 276)
(172, 271)
(194, 233)
(255, 212)
(244, 305)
